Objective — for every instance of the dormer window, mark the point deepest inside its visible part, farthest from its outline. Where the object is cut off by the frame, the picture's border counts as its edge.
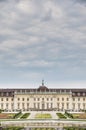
(78, 94)
(83, 94)
(73, 94)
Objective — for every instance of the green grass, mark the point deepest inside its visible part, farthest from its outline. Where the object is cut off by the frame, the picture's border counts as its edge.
(25, 116)
(43, 129)
(60, 115)
(43, 116)
(13, 128)
(74, 128)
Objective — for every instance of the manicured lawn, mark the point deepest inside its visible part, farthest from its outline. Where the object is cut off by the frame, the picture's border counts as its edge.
(24, 116)
(43, 116)
(13, 128)
(74, 128)
(79, 115)
(60, 115)
(43, 129)
(6, 115)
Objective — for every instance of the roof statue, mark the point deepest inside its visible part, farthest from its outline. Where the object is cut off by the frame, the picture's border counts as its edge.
(42, 82)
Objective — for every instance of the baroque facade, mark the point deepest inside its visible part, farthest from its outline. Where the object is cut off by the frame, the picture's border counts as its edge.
(42, 98)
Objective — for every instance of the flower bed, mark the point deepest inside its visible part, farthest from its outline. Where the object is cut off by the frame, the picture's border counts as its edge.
(6, 115)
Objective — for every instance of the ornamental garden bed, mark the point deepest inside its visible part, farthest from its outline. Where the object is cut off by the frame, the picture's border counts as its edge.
(10, 115)
(43, 116)
(74, 128)
(6, 115)
(79, 115)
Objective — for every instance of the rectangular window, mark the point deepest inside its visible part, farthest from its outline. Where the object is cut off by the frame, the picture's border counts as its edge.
(1, 99)
(47, 105)
(73, 105)
(67, 99)
(78, 99)
(38, 99)
(27, 105)
(58, 105)
(23, 106)
(27, 99)
(1, 105)
(18, 105)
(42, 99)
(51, 99)
(47, 99)
(38, 105)
(12, 99)
(83, 99)
(18, 99)
(7, 105)
(34, 105)
(79, 106)
(6, 99)
(12, 106)
(84, 106)
(51, 105)
(22, 99)
(67, 105)
(57, 99)
(62, 106)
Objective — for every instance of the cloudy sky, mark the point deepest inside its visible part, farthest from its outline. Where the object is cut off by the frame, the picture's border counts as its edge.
(43, 39)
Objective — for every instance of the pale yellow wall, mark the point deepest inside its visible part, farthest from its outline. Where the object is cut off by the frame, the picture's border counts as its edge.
(57, 104)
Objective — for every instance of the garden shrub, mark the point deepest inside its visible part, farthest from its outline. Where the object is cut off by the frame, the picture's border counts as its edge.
(25, 115)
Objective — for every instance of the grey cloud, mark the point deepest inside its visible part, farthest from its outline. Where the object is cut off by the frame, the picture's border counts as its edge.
(81, 1)
(3, 0)
(43, 34)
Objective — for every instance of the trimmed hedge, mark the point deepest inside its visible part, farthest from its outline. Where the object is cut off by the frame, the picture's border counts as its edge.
(43, 128)
(1, 110)
(25, 115)
(68, 114)
(60, 115)
(17, 115)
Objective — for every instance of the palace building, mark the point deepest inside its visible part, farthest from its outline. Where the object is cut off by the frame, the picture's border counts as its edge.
(42, 99)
